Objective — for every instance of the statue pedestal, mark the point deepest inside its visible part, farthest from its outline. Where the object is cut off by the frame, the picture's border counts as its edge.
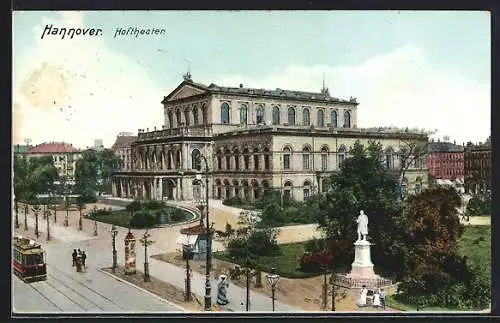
(362, 266)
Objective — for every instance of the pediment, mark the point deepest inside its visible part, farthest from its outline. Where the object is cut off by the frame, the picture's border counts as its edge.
(184, 92)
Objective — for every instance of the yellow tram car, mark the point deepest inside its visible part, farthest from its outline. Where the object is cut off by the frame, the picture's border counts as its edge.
(28, 260)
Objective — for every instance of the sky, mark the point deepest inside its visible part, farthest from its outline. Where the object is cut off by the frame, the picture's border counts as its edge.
(425, 69)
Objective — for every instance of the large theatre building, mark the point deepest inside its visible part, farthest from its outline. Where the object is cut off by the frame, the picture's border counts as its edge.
(252, 139)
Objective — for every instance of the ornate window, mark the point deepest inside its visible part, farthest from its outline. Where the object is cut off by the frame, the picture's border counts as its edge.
(259, 115)
(224, 113)
(324, 158)
(333, 119)
(321, 118)
(291, 116)
(195, 116)
(341, 154)
(389, 159)
(286, 158)
(179, 118)
(276, 116)
(196, 159)
(307, 190)
(186, 117)
(171, 119)
(347, 119)
(243, 114)
(256, 162)
(306, 158)
(306, 118)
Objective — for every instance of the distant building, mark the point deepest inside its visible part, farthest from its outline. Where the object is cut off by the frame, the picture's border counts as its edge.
(477, 161)
(253, 139)
(98, 145)
(445, 161)
(123, 149)
(63, 154)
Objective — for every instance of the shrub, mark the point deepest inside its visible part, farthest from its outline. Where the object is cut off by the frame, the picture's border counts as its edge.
(154, 205)
(233, 201)
(134, 206)
(143, 219)
(100, 212)
(316, 262)
(258, 243)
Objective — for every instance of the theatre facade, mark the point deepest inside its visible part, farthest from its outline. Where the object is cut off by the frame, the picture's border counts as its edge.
(252, 139)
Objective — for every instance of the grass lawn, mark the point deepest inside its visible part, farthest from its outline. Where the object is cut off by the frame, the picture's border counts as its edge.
(475, 243)
(286, 264)
(392, 303)
(122, 217)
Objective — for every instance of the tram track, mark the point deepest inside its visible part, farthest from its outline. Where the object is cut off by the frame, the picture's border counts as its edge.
(45, 297)
(84, 285)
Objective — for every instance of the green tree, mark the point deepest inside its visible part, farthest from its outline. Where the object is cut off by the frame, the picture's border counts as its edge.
(363, 183)
(93, 172)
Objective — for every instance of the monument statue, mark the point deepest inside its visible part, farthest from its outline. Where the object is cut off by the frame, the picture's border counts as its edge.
(362, 225)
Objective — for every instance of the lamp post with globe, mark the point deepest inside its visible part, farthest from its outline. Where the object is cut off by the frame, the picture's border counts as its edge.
(272, 280)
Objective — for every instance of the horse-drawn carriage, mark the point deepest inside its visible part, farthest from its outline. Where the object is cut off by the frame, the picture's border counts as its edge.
(28, 260)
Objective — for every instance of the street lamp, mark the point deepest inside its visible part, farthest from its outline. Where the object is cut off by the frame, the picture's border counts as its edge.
(36, 210)
(188, 255)
(95, 228)
(272, 280)
(67, 204)
(25, 216)
(145, 241)
(201, 206)
(16, 207)
(47, 216)
(113, 233)
(208, 285)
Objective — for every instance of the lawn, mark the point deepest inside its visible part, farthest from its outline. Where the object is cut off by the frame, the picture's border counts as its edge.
(475, 243)
(286, 264)
(122, 217)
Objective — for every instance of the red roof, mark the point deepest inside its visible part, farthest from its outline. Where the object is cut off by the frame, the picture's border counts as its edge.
(53, 148)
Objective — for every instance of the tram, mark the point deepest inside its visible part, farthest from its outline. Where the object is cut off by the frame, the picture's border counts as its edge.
(29, 260)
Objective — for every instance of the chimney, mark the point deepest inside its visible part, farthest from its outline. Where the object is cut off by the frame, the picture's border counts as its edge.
(241, 85)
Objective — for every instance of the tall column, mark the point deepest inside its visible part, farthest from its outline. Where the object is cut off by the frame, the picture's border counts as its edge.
(121, 188)
(153, 188)
(184, 156)
(160, 188)
(143, 186)
(163, 158)
(261, 162)
(113, 187)
(250, 162)
(242, 162)
(177, 189)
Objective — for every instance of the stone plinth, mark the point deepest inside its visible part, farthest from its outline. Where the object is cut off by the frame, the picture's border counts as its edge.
(362, 267)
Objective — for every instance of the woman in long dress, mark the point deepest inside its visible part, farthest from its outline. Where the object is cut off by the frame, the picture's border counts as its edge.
(222, 291)
(376, 299)
(362, 297)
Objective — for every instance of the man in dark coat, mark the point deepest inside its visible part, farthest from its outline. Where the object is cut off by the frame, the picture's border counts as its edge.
(74, 254)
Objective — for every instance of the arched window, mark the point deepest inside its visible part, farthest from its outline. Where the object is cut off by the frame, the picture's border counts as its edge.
(324, 158)
(333, 119)
(286, 158)
(179, 118)
(291, 116)
(306, 118)
(224, 113)
(243, 114)
(307, 190)
(321, 118)
(341, 154)
(195, 116)
(196, 159)
(347, 119)
(186, 117)
(389, 162)
(171, 119)
(276, 116)
(259, 115)
(306, 157)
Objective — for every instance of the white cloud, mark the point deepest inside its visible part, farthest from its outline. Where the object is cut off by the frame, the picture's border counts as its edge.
(109, 92)
(399, 88)
(78, 90)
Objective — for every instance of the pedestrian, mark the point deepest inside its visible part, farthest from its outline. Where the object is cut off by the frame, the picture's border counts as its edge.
(382, 298)
(84, 257)
(74, 254)
(376, 298)
(79, 252)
